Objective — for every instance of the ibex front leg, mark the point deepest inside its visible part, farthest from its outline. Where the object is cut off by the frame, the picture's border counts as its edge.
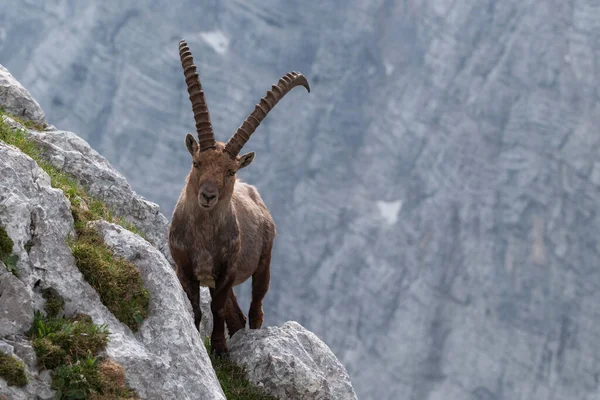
(219, 294)
(189, 283)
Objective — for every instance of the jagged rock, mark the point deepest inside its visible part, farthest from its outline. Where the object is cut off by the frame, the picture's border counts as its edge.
(23, 348)
(171, 366)
(17, 100)
(68, 152)
(73, 155)
(6, 348)
(291, 363)
(16, 311)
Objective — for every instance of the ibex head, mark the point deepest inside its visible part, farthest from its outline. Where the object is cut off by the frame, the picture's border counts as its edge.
(214, 164)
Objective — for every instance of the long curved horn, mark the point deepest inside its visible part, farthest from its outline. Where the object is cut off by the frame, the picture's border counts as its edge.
(266, 104)
(206, 135)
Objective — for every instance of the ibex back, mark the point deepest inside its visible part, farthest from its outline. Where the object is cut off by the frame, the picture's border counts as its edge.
(221, 232)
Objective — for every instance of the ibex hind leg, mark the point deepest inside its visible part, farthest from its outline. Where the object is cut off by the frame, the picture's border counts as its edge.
(234, 316)
(260, 286)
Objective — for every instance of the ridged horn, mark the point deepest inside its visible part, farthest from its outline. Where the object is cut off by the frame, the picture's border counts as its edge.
(206, 135)
(266, 104)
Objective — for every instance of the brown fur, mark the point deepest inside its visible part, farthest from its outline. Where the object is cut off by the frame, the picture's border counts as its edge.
(224, 244)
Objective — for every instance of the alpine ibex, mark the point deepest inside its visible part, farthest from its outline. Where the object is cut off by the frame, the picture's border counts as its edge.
(221, 232)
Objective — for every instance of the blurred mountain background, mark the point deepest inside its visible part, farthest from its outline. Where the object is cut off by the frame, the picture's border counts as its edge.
(436, 194)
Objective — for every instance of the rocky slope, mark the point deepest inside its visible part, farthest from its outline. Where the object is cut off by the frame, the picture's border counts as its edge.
(435, 193)
(165, 358)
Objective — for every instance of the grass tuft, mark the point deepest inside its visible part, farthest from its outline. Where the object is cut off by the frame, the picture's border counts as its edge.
(6, 243)
(91, 378)
(12, 370)
(54, 302)
(116, 280)
(25, 122)
(70, 347)
(6, 256)
(233, 379)
(60, 341)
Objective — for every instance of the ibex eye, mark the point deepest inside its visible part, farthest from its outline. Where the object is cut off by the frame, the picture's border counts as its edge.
(195, 164)
(231, 172)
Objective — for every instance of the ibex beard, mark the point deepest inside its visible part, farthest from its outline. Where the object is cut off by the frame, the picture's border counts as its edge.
(221, 232)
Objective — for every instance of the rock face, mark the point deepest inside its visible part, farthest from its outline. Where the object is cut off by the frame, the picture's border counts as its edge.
(70, 153)
(291, 363)
(165, 358)
(17, 100)
(16, 312)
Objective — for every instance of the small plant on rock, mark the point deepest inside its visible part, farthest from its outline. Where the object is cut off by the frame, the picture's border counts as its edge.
(116, 280)
(12, 370)
(71, 347)
(6, 248)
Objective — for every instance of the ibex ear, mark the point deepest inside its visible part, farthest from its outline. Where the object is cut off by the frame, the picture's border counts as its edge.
(191, 144)
(245, 160)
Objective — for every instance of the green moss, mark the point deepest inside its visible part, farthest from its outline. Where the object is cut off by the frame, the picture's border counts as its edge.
(6, 243)
(6, 256)
(117, 281)
(233, 379)
(12, 370)
(54, 302)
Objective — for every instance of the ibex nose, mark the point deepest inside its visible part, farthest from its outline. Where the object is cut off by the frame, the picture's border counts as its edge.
(208, 197)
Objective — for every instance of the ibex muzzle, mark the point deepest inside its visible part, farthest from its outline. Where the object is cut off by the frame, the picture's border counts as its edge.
(209, 194)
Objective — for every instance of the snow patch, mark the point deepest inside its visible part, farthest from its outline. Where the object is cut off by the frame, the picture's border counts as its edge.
(217, 40)
(389, 68)
(389, 210)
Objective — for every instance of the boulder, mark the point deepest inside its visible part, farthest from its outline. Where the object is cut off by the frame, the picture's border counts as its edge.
(17, 100)
(290, 362)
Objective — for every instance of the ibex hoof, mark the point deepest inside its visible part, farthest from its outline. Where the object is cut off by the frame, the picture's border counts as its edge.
(221, 353)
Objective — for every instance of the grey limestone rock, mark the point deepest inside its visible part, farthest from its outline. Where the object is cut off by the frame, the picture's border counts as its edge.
(290, 362)
(16, 310)
(157, 366)
(73, 155)
(17, 100)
